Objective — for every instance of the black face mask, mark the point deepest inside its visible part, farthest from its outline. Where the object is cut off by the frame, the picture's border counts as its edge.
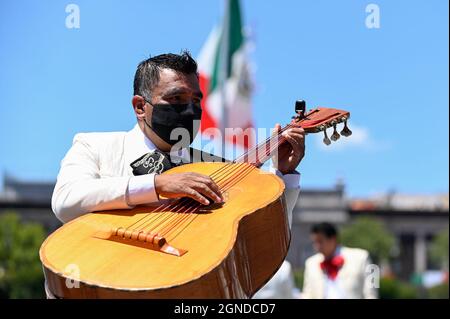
(167, 117)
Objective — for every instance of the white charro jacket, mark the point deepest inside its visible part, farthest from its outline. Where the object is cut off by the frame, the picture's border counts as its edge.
(355, 280)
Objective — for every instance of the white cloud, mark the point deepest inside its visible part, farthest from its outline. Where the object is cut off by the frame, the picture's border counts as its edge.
(360, 139)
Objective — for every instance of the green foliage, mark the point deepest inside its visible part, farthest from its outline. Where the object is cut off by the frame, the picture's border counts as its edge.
(21, 273)
(298, 278)
(439, 248)
(370, 234)
(396, 289)
(438, 292)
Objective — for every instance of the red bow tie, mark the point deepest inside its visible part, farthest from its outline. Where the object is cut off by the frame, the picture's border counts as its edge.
(332, 266)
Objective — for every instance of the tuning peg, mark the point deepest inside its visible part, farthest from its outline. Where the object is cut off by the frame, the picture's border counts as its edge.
(346, 131)
(326, 140)
(300, 108)
(335, 135)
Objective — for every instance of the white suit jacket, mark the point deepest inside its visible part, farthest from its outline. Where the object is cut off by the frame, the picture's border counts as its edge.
(354, 279)
(96, 175)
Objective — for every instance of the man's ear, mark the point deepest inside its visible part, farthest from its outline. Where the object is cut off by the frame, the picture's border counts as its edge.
(138, 106)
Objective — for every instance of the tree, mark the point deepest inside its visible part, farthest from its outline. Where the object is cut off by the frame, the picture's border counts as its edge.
(391, 288)
(21, 273)
(370, 234)
(439, 248)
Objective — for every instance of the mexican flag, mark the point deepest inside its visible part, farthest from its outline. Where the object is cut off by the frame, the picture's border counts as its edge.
(225, 78)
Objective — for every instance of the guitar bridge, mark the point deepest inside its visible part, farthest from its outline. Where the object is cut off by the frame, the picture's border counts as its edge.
(141, 239)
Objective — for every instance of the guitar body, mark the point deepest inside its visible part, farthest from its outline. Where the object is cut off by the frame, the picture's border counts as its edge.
(227, 251)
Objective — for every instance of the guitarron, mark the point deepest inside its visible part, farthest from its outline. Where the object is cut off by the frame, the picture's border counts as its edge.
(181, 249)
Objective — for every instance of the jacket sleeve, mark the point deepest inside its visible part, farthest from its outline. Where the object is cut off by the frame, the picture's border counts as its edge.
(292, 183)
(291, 195)
(79, 188)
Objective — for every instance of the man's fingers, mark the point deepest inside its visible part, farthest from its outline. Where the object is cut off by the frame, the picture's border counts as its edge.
(276, 128)
(295, 144)
(208, 181)
(297, 133)
(192, 193)
(208, 192)
(298, 137)
(214, 187)
(298, 130)
(196, 186)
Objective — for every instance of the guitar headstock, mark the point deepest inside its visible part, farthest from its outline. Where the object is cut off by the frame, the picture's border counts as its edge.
(321, 118)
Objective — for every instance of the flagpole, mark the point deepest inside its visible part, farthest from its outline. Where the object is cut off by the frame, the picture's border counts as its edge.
(224, 51)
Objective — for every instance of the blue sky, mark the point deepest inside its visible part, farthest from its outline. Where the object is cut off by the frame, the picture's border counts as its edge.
(55, 82)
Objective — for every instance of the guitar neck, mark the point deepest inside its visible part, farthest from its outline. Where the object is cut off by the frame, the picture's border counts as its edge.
(261, 153)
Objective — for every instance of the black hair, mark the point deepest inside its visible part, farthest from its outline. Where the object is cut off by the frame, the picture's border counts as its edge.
(147, 73)
(326, 229)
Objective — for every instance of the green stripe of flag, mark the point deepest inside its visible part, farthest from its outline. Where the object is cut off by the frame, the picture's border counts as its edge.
(235, 41)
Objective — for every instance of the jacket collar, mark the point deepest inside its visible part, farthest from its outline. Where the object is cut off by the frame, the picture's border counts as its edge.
(136, 144)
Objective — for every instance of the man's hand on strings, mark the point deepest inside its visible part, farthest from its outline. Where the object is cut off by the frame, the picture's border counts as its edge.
(291, 153)
(196, 186)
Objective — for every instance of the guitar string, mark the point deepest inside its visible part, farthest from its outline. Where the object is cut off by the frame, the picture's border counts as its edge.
(256, 148)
